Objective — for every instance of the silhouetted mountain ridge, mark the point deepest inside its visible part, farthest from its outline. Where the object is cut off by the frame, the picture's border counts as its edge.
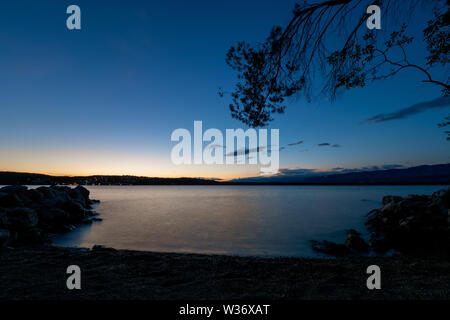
(425, 174)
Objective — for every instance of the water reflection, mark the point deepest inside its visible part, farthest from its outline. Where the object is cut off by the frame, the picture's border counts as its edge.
(243, 220)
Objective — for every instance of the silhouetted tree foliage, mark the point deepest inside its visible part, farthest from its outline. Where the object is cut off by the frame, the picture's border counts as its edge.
(445, 124)
(294, 59)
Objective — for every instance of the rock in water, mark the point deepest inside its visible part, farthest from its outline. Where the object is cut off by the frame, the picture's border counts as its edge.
(27, 216)
(355, 242)
(414, 225)
(389, 199)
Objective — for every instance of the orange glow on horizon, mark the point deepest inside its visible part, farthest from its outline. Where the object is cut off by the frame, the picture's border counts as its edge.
(70, 163)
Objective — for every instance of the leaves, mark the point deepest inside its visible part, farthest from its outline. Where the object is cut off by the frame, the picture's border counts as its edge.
(295, 59)
(445, 124)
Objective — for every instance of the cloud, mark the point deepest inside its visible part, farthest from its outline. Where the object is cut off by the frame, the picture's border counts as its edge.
(245, 151)
(297, 172)
(295, 143)
(392, 166)
(336, 145)
(324, 144)
(438, 103)
(214, 146)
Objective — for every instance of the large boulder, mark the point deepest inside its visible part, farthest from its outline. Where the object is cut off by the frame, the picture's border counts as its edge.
(354, 245)
(47, 192)
(76, 210)
(21, 218)
(53, 216)
(84, 192)
(9, 200)
(28, 215)
(81, 195)
(355, 242)
(415, 224)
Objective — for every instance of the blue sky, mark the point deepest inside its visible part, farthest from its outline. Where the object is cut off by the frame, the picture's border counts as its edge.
(105, 99)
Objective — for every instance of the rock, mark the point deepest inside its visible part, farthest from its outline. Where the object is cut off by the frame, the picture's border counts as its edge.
(389, 199)
(9, 200)
(378, 243)
(28, 215)
(91, 219)
(54, 216)
(35, 196)
(331, 248)
(3, 218)
(64, 228)
(355, 242)
(86, 221)
(99, 247)
(32, 236)
(21, 218)
(417, 225)
(406, 223)
(75, 210)
(47, 192)
(79, 194)
(5, 237)
(13, 189)
(83, 191)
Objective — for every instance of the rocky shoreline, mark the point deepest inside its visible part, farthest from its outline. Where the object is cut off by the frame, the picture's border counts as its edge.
(31, 268)
(416, 225)
(32, 216)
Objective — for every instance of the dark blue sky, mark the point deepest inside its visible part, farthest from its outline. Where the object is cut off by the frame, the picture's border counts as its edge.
(105, 99)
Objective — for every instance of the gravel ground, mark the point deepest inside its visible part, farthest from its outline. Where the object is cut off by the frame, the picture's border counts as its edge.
(39, 273)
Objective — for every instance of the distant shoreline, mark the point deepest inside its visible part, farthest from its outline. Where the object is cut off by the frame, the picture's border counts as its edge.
(420, 175)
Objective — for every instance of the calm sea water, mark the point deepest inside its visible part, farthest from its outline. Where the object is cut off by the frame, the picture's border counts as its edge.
(237, 220)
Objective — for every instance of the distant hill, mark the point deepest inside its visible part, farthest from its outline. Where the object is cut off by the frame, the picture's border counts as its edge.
(426, 174)
(16, 178)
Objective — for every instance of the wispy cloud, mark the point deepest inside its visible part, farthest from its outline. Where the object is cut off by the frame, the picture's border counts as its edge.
(324, 144)
(438, 103)
(245, 151)
(295, 143)
(297, 172)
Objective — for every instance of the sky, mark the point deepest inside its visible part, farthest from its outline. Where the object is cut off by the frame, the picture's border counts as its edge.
(105, 99)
